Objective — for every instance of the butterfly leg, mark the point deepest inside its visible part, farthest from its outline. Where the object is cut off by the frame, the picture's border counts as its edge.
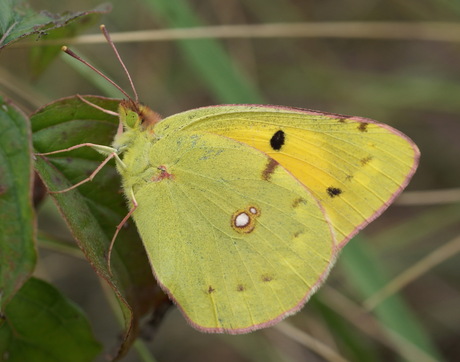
(89, 178)
(120, 225)
(120, 125)
(96, 106)
(100, 148)
(110, 152)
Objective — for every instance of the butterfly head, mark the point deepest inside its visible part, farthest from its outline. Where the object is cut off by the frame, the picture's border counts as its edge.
(134, 115)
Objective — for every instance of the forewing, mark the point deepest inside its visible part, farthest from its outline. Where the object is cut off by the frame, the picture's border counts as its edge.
(353, 166)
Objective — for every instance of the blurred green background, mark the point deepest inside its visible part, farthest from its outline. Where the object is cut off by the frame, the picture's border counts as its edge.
(411, 84)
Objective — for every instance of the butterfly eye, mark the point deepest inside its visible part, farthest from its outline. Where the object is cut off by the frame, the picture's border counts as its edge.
(128, 117)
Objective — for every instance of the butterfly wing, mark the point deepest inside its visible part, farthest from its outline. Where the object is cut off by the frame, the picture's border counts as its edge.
(353, 166)
(235, 249)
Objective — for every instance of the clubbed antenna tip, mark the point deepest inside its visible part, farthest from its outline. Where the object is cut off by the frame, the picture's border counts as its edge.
(109, 40)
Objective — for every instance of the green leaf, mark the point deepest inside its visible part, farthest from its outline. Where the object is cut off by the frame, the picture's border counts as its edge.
(17, 250)
(207, 56)
(18, 20)
(94, 209)
(39, 324)
(42, 56)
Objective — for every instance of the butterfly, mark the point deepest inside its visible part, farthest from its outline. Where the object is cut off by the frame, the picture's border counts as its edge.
(243, 209)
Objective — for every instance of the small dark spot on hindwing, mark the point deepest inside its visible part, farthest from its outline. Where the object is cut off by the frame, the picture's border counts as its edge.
(297, 234)
(298, 201)
(266, 277)
(240, 288)
(211, 289)
(277, 140)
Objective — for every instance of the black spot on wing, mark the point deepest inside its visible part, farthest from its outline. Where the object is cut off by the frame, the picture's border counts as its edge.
(333, 191)
(277, 140)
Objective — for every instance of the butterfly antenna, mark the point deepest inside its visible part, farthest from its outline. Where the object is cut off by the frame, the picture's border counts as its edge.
(73, 55)
(112, 44)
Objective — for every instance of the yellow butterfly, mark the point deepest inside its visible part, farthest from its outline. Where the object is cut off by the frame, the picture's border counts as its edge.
(243, 209)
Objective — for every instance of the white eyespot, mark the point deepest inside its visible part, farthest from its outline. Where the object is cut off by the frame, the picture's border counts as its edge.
(242, 220)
